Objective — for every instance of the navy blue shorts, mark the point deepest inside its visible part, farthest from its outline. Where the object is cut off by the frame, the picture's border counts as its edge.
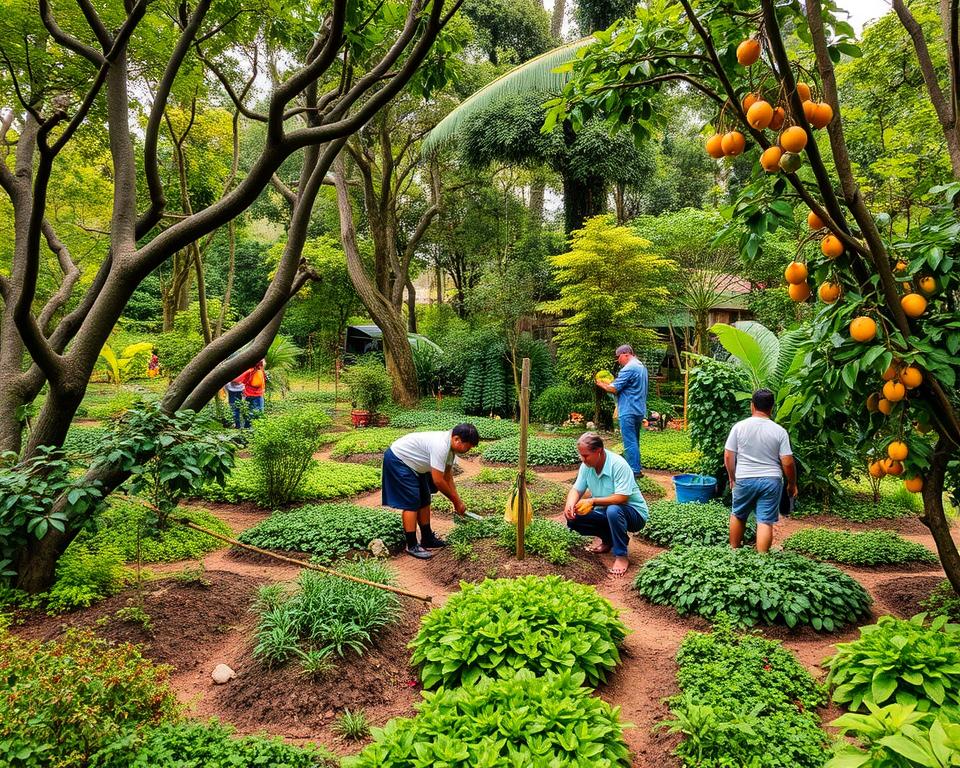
(402, 487)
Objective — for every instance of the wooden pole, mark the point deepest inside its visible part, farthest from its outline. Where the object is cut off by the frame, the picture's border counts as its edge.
(294, 561)
(522, 480)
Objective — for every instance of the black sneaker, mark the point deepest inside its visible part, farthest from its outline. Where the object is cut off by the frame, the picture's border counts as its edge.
(419, 552)
(433, 542)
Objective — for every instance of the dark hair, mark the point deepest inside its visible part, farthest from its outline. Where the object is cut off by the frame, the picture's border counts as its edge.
(468, 433)
(591, 440)
(763, 400)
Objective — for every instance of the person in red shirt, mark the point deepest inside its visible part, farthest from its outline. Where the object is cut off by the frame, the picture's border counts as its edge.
(254, 382)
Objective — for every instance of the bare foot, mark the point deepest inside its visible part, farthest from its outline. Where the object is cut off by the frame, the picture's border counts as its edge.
(619, 567)
(598, 548)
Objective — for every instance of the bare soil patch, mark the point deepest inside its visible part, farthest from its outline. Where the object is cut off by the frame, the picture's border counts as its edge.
(903, 595)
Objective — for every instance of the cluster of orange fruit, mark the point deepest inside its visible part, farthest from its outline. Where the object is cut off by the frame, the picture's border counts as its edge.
(796, 272)
(897, 452)
(898, 379)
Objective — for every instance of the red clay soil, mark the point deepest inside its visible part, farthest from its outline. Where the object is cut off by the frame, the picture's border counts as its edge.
(903, 595)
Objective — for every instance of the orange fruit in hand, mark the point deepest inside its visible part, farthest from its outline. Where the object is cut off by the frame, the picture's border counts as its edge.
(779, 115)
(770, 159)
(829, 292)
(822, 115)
(796, 272)
(814, 221)
(748, 52)
(898, 450)
(894, 391)
(911, 377)
(913, 304)
(928, 284)
(803, 91)
(714, 146)
(831, 247)
(885, 406)
(863, 328)
(794, 139)
(799, 291)
(733, 143)
(759, 115)
(913, 484)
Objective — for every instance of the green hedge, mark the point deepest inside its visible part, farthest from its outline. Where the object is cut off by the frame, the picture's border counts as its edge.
(327, 531)
(867, 548)
(753, 588)
(541, 451)
(672, 523)
(324, 480)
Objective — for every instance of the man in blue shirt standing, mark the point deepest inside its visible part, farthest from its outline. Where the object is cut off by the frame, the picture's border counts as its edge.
(614, 504)
(630, 387)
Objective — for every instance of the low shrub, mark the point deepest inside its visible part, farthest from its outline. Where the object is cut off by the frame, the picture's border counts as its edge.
(867, 548)
(421, 420)
(283, 446)
(371, 387)
(211, 745)
(65, 700)
(523, 719)
(909, 662)
(674, 524)
(324, 480)
(542, 624)
(324, 615)
(86, 574)
(555, 404)
(745, 701)
(327, 531)
(943, 601)
(753, 588)
(541, 451)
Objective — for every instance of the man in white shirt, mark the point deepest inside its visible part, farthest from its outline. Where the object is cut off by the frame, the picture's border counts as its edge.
(756, 451)
(414, 468)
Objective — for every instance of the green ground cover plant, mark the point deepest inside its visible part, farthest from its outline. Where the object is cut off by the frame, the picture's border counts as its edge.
(283, 446)
(484, 499)
(542, 624)
(552, 541)
(650, 488)
(368, 440)
(541, 451)
(327, 531)
(84, 442)
(909, 662)
(423, 419)
(64, 700)
(522, 719)
(867, 548)
(324, 480)
(85, 574)
(855, 503)
(745, 701)
(943, 601)
(674, 524)
(668, 450)
(324, 616)
(753, 588)
(501, 476)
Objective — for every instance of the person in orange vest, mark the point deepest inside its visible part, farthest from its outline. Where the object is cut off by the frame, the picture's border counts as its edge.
(254, 382)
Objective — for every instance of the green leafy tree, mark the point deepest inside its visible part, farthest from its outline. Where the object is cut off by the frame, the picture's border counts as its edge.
(512, 29)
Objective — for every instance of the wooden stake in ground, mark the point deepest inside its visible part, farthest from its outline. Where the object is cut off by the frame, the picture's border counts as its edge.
(524, 426)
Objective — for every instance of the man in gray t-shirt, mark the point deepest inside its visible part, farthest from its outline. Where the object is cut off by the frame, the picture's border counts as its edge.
(756, 451)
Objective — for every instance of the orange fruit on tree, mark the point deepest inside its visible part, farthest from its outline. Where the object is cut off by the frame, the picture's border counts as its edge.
(829, 292)
(831, 247)
(748, 52)
(913, 304)
(794, 139)
(892, 467)
(770, 159)
(913, 484)
(863, 328)
(928, 284)
(890, 373)
(803, 91)
(809, 108)
(898, 450)
(885, 406)
(822, 114)
(901, 266)
(894, 391)
(796, 272)
(873, 400)
(776, 122)
(714, 146)
(799, 291)
(911, 377)
(749, 100)
(814, 221)
(876, 469)
(733, 143)
(760, 114)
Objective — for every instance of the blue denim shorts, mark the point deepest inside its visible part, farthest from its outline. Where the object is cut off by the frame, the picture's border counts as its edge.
(759, 494)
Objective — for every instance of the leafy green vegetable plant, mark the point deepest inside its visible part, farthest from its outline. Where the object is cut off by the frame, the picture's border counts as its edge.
(523, 719)
(547, 538)
(324, 480)
(943, 601)
(753, 588)
(369, 440)
(541, 451)
(283, 448)
(867, 548)
(669, 450)
(327, 531)
(489, 429)
(909, 662)
(538, 623)
(675, 524)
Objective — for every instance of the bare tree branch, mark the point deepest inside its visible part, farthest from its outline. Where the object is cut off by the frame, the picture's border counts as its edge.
(68, 41)
(71, 273)
(95, 23)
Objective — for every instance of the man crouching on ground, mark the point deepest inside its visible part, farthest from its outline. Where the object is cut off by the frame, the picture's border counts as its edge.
(414, 468)
(614, 506)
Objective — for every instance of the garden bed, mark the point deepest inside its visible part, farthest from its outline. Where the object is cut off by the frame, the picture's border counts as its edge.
(904, 596)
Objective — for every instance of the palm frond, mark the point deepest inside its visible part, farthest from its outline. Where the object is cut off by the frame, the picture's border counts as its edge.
(534, 76)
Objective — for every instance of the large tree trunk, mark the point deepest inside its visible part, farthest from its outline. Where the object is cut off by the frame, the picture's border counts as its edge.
(556, 20)
(582, 200)
(933, 513)
(411, 306)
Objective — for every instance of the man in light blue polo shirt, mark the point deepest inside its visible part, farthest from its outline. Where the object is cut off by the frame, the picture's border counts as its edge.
(630, 387)
(614, 506)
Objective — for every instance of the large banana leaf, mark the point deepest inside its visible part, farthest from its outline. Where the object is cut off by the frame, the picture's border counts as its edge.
(791, 344)
(113, 364)
(751, 348)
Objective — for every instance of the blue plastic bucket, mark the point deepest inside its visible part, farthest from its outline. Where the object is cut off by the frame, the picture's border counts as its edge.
(698, 488)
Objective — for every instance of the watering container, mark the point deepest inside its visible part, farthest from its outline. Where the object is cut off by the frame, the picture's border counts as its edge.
(698, 488)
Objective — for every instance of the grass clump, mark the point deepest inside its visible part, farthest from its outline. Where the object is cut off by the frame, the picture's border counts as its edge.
(745, 701)
(326, 531)
(674, 524)
(324, 615)
(541, 451)
(753, 588)
(324, 480)
(867, 548)
(523, 719)
(542, 624)
(352, 725)
(489, 429)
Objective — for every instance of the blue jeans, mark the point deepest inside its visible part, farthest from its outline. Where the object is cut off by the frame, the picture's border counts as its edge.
(254, 408)
(610, 524)
(757, 493)
(630, 425)
(234, 399)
